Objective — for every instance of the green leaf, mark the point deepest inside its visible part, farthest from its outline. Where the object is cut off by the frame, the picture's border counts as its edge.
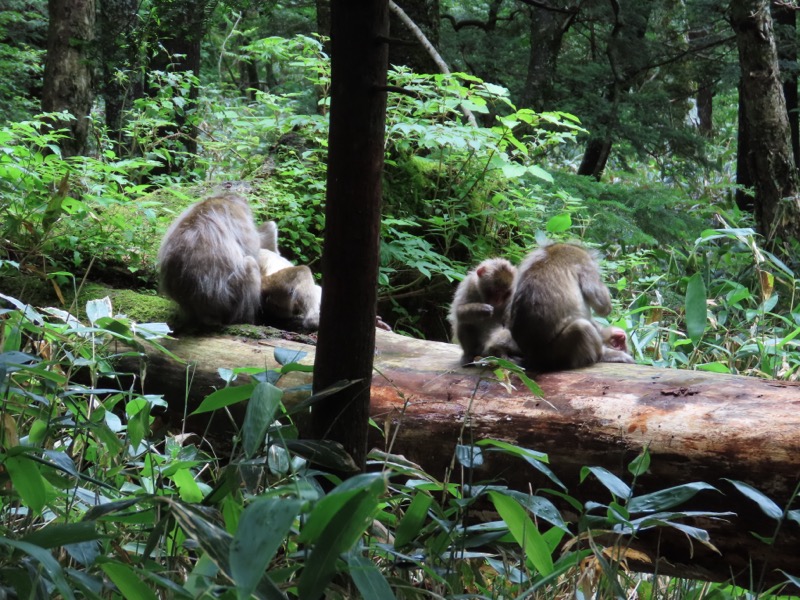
(413, 520)
(283, 356)
(61, 534)
(767, 506)
(612, 483)
(524, 532)
(329, 506)
(263, 527)
(342, 531)
(559, 223)
(261, 409)
(188, 489)
(668, 498)
(640, 464)
(27, 481)
(368, 578)
(541, 507)
(128, 582)
(535, 459)
(714, 367)
(225, 397)
(469, 456)
(214, 541)
(325, 453)
(49, 564)
(97, 309)
(696, 312)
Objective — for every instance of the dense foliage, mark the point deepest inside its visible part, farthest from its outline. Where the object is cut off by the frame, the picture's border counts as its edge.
(99, 502)
(139, 512)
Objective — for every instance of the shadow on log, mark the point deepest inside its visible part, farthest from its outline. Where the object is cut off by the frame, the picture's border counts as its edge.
(698, 427)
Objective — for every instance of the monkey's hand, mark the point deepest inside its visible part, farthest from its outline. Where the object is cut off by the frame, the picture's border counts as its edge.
(474, 312)
(617, 356)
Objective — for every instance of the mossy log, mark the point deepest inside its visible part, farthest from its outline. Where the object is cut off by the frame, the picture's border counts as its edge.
(697, 426)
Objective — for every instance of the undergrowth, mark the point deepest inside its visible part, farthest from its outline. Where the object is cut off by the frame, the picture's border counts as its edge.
(99, 503)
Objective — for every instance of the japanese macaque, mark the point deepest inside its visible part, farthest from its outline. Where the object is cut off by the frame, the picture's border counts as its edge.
(289, 295)
(550, 314)
(479, 308)
(208, 262)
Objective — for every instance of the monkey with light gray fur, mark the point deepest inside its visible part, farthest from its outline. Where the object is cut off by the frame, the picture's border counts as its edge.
(208, 262)
(289, 295)
(221, 269)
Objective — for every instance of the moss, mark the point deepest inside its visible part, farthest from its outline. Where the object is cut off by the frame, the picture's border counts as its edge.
(141, 307)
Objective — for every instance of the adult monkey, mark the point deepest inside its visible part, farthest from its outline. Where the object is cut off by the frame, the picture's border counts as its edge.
(550, 314)
(209, 262)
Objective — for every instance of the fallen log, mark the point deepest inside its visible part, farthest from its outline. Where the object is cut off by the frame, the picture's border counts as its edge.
(697, 426)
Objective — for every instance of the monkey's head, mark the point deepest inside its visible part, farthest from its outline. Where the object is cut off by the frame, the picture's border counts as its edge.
(616, 338)
(495, 280)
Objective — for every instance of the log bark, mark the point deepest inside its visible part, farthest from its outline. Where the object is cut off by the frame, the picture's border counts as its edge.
(697, 426)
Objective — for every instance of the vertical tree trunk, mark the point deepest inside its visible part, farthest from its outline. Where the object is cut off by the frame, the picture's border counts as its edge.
(547, 30)
(346, 339)
(116, 19)
(770, 157)
(786, 21)
(68, 69)
(744, 180)
(181, 28)
(627, 56)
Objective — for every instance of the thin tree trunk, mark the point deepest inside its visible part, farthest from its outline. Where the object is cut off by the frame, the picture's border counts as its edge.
(770, 158)
(744, 180)
(116, 19)
(547, 30)
(68, 81)
(627, 55)
(786, 21)
(346, 335)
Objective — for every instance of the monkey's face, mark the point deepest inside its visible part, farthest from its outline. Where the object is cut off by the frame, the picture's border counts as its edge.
(496, 285)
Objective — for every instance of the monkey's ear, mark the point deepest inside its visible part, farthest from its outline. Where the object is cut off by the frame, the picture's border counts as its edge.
(480, 271)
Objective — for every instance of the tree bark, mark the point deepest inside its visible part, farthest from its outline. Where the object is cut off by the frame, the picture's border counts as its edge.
(116, 51)
(68, 69)
(181, 27)
(627, 56)
(786, 43)
(770, 158)
(352, 220)
(697, 426)
(744, 179)
(547, 30)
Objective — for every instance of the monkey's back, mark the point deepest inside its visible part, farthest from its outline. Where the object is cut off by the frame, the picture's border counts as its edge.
(208, 261)
(547, 297)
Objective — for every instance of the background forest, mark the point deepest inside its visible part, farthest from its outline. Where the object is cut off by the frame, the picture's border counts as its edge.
(663, 133)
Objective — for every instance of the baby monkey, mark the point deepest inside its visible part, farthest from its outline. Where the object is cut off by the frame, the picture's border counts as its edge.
(289, 296)
(550, 315)
(479, 307)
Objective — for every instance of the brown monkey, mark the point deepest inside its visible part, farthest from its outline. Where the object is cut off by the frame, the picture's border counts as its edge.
(289, 296)
(479, 306)
(550, 315)
(208, 261)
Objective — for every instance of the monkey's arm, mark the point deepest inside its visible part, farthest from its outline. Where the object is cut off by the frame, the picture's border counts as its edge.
(268, 233)
(615, 356)
(474, 312)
